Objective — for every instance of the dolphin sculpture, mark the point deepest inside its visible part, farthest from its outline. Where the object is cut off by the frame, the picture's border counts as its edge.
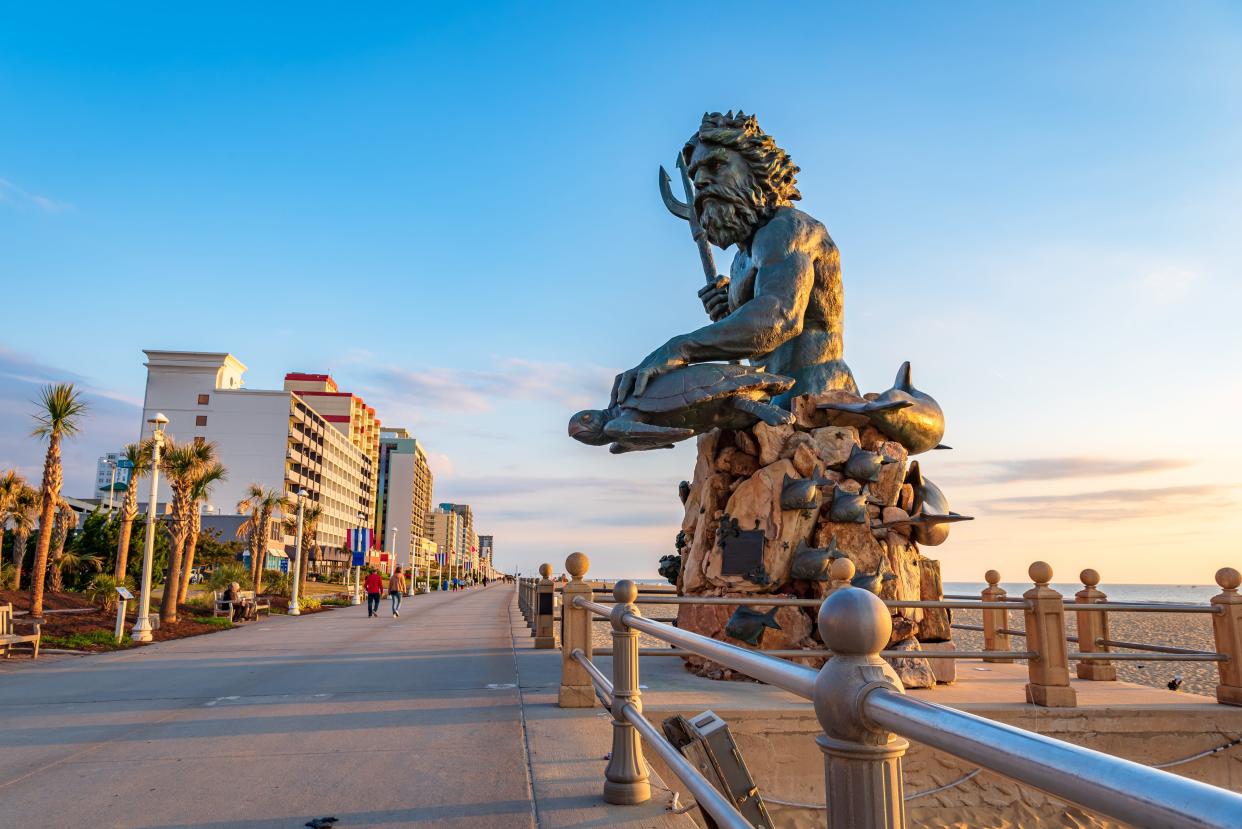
(903, 413)
(803, 493)
(747, 625)
(849, 507)
(812, 563)
(929, 521)
(861, 465)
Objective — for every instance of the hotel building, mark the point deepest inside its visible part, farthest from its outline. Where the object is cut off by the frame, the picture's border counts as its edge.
(403, 497)
(276, 439)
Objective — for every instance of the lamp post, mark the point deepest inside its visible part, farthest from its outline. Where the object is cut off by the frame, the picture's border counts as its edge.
(112, 486)
(392, 553)
(357, 597)
(141, 631)
(295, 609)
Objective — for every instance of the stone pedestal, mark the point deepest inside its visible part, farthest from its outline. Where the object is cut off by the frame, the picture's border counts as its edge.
(825, 486)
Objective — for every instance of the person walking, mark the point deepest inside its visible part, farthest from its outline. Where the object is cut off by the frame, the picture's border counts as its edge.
(374, 585)
(396, 588)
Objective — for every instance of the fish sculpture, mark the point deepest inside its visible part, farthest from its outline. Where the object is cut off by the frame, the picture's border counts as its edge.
(903, 413)
(872, 581)
(861, 465)
(803, 493)
(930, 516)
(849, 507)
(813, 563)
(747, 625)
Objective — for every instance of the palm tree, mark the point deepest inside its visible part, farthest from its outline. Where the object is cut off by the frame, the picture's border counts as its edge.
(198, 494)
(183, 463)
(66, 520)
(23, 512)
(61, 408)
(310, 528)
(74, 560)
(10, 483)
(260, 503)
(139, 454)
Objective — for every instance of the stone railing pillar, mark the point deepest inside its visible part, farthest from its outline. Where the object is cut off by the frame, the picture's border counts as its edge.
(1227, 626)
(840, 574)
(995, 622)
(625, 778)
(1048, 670)
(1092, 628)
(862, 763)
(576, 688)
(545, 609)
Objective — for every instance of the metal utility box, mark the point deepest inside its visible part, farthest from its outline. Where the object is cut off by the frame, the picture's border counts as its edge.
(706, 742)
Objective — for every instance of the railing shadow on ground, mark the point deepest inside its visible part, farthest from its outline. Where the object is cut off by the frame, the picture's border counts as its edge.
(864, 712)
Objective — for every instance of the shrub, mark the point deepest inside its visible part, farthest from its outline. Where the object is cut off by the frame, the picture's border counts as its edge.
(102, 590)
(79, 641)
(277, 584)
(309, 604)
(215, 621)
(225, 574)
(6, 576)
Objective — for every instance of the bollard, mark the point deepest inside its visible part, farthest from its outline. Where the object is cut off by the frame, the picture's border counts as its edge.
(1048, 670)
(840, 574)
(576, 688)
(1092, 627)
(545, 609)
(625, 778)
(862, 763)
(1227, 626)
(995, 622)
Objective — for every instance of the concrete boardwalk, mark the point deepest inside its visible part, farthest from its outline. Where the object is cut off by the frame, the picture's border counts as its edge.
(415, 721)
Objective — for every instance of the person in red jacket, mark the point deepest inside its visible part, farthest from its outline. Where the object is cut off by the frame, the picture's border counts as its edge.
(374, 585)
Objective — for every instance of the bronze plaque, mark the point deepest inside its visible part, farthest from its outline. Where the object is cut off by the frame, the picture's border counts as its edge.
(741, 553)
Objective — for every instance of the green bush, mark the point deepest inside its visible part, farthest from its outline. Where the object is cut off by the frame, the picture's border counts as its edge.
(225, 574)
(309, 604)
(222, 622)
(81, 641)
(277, 584)
(102, 590)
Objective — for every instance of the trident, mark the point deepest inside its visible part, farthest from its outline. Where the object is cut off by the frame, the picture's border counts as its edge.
(686, 211)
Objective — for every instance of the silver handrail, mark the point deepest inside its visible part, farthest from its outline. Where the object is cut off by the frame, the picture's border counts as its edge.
(1112, 786)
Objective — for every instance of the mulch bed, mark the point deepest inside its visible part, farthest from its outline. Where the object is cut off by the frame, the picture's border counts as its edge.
(61, 625)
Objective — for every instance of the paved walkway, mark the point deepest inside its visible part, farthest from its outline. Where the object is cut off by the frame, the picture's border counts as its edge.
(387, 722)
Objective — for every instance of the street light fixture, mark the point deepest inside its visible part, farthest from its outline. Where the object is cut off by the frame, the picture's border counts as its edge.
(142, 626)
(295, 608)
(112, 486)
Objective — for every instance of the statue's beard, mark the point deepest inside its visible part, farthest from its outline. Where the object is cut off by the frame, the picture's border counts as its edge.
(728, 214)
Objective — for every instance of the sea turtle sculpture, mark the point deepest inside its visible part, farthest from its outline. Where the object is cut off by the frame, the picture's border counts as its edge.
(682, 403)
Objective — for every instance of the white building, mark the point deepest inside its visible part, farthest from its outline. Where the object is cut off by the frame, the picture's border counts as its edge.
(267, 437)
(104, 469)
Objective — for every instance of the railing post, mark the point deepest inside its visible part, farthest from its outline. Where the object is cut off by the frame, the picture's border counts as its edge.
(995, 622)
(862, 763)
(1227, 625)
(545, 609)
(576, 688)
(1048, 670)
(625, 780)
(840, 574)
(1092, 628)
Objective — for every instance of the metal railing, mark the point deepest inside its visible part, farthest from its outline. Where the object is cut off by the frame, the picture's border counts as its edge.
(866, 719)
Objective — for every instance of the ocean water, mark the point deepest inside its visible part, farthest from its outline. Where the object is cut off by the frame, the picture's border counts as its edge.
(1165, 593)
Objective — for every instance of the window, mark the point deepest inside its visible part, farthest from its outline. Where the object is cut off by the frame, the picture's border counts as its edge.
(200, 420)
(204, 399)
(200, 440)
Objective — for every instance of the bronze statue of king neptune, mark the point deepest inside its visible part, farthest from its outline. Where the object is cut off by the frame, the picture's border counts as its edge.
(781, 306)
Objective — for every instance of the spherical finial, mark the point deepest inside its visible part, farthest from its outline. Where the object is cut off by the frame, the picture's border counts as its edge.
(854, 621)
(1228, 578)
(1089, 577)
(545, 570)
(992, 578)
(576, 565)
(625, 591)
(1040, 572)
(842, 569)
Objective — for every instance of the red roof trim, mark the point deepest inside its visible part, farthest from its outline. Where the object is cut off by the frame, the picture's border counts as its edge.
(322, 393)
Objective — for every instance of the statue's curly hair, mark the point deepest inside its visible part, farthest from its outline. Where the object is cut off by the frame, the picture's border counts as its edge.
(774, 172)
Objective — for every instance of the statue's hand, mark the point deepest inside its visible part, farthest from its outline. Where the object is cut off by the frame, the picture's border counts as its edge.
(715, 298)
(664, 358)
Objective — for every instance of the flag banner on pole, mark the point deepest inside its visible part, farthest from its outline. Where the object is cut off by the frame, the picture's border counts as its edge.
(359, 541)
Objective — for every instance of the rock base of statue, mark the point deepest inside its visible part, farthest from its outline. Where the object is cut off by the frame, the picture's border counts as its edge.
(770, 507)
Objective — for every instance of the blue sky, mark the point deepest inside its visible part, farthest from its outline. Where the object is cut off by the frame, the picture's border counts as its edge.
(455, 212)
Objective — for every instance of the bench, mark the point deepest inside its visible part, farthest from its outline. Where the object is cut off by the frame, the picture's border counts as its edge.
(224, 607)
(9, 638)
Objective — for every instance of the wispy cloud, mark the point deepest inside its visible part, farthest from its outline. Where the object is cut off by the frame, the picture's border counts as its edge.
(11, 194)
(1046, 469)
(478, 390)
(1114, 504)
(1168, 284)
(535, 485)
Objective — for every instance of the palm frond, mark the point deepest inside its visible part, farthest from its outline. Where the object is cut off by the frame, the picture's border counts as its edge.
(61, 407)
